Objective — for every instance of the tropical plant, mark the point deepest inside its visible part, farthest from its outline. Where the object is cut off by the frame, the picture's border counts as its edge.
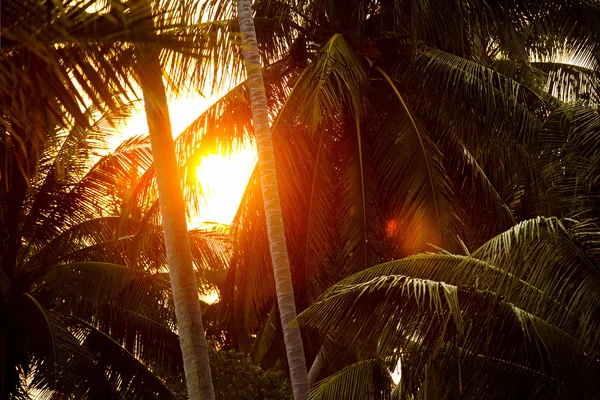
(70, 54)
(82, 315)
(517, 318)
(86, 299)
(172, 208)
(400, 127)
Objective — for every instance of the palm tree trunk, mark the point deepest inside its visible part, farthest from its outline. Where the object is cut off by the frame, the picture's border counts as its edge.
(371, 386)
(268, 183)
(316, 366)
(429, 384)
(183, 280)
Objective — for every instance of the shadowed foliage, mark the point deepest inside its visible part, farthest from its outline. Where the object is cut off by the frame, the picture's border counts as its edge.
(86, 306)
(521, 308)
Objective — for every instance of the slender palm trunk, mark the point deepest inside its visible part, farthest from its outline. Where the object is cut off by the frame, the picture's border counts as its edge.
(371, 387)
(429, 384)
(316, 366)
(268, 182)
(172, 207)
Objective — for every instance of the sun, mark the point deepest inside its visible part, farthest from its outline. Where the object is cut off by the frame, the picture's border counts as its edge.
(224, 179)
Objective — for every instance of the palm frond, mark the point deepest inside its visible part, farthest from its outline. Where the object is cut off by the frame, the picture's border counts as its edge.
(488, 212)
(95, 193)
(356, 381)
(86, 286)
(333, 80)
(536, 283)
(489, 101)
(53, 355)
(118, 370)
(569, 82)
(427, 196)
(436, 312)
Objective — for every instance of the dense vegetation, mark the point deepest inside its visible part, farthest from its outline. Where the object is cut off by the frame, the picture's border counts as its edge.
(437, 163)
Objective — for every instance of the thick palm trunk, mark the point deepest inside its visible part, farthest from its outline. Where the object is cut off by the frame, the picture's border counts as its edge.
(268, 182)
(172, 207)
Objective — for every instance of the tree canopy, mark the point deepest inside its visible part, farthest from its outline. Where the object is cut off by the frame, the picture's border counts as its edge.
(437, 163)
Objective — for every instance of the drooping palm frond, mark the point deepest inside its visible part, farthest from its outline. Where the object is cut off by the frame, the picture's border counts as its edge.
(433, 191)
(367, 379)
(477, 192)
(537, 316)
(130, 306)
(442, 319)
(456, 86)
(66, 159)
(117, 369)
(505, 105)
(43, 349)
(93, 194)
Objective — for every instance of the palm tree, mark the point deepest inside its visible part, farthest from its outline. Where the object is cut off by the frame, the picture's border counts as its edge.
(85, 57)
(80, 56)
(172, 208)
(516, 318)
(272, 208)
(389, 133)
(74, 322)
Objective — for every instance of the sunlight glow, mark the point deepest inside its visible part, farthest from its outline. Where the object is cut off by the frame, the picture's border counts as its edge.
(397, 373)
(183, 111)
(224, 179)
(98, 7)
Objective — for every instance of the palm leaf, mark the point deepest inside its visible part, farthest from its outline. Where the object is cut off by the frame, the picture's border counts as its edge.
(544, 308)
(353, 382)
(117, 367)
(433, 191)
(405, 307)
(55, 356)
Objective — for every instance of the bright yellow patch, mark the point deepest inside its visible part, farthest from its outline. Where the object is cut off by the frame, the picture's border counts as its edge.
(224, 179)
